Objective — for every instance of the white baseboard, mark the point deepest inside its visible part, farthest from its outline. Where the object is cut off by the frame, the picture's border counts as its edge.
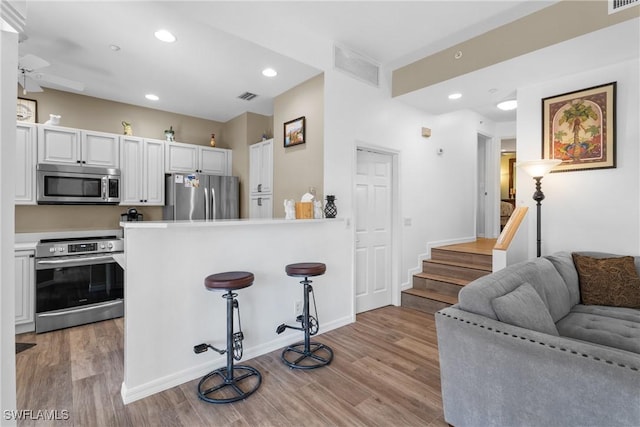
(130, 395)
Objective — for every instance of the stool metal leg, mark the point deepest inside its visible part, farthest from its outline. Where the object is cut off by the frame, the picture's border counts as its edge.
(310, 354)
(218, 380)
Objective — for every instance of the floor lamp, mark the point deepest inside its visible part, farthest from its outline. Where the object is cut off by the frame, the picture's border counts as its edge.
(537, 169)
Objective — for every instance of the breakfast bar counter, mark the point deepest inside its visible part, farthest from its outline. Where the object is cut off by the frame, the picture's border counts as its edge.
(168, 310)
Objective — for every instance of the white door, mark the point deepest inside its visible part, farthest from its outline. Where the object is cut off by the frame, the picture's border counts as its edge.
(373, 230)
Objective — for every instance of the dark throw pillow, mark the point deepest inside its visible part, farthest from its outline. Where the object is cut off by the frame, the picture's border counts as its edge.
(523, 307)
(608, 281)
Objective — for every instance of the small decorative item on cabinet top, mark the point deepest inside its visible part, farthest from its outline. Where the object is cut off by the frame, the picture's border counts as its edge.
(169, 133)
(213, 140)
(330, 209)
(127, 128)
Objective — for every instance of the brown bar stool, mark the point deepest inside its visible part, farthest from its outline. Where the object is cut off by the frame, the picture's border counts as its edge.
(306, 354)
(213, 386)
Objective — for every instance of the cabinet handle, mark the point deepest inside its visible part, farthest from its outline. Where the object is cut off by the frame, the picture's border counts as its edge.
(259, 188)
(78, 161)
(259, 201)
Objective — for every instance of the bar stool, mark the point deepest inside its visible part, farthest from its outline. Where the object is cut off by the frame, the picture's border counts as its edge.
(306, 354)
(212, 387)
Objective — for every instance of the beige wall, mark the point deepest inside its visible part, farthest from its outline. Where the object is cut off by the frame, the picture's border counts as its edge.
(299, 167)
(90, 113)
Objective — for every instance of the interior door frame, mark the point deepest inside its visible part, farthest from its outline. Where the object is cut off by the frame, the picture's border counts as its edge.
(395, 215)
(492, 186)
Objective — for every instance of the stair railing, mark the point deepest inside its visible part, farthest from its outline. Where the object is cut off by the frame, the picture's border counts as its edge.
(511, 246)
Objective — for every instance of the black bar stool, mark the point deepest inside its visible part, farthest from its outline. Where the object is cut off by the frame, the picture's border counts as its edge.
(306, 354)
(238, 379)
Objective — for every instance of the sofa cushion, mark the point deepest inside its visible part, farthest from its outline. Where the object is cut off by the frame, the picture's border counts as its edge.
(622, 313)
(523, 307)
(608, 281)
(540, 273)
(603, 330)
(563, 262)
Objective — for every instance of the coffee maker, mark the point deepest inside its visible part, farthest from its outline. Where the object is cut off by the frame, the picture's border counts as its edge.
(131, 215)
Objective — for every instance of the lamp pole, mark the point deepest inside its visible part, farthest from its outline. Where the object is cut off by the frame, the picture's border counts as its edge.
(538, 196)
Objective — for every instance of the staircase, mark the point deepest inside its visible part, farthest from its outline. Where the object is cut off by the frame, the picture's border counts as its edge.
(450, 268)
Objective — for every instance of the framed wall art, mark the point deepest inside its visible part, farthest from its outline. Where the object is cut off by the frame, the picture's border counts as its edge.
(27, 110)
(579, 128)
(294, 132)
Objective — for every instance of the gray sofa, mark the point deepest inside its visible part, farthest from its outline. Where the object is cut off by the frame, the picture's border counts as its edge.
(561, 363)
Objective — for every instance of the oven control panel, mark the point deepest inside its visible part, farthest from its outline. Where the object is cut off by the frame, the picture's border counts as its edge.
(78, 246)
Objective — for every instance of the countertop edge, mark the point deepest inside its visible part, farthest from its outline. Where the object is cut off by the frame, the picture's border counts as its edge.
(222, 223)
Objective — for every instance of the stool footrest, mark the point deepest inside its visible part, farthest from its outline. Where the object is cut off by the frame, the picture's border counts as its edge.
(201, 348)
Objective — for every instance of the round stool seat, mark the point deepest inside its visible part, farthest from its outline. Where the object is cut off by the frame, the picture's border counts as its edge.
(305, 269)
(229, 281)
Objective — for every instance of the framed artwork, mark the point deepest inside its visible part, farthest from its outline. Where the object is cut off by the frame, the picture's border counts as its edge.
(579, 128)
(294, 132)
(27, 110)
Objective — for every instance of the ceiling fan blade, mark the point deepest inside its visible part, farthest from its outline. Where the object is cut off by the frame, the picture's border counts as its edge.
(58, 81)
(28, 84)
(32, 62)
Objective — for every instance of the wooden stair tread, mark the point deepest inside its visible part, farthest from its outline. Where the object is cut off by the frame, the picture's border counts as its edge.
(446, 279)
(461, 264)
(432, 295)
(480, 246)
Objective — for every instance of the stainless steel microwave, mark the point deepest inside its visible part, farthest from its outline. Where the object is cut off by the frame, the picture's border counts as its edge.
(73, 185)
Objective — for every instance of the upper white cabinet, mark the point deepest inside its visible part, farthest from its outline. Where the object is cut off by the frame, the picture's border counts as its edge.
(25, 173)
(25, 287)
(261, 167)
(60, 145)
(142, 168)
(188, 158)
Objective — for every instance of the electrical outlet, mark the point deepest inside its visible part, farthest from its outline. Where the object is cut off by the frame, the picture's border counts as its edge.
(297, 308)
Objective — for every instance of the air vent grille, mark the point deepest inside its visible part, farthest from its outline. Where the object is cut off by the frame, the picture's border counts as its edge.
(356, 65)
(247, 96)
(618, 5)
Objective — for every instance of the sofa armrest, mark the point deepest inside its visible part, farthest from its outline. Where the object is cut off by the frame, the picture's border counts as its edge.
(495, 374)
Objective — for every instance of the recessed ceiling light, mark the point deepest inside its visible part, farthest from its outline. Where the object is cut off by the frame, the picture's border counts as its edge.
(114, 47)
(508, 105)
(165, 36)
(455, 96)
(151, 97)
(269, 72)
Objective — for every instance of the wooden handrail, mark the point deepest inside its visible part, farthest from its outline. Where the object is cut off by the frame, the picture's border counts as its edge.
(510, 229)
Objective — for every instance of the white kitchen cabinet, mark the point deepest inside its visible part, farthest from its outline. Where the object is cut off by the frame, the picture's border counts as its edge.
(261, 167)
(60, 145)
(25, 289)
(26, 158)
(142, 168)
(187, 158)
(261, 206)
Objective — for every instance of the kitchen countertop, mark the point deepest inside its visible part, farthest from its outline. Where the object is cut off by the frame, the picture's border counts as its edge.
(221, 222)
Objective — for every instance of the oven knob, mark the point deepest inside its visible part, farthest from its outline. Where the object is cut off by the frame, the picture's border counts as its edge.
(110, 245)
(52, 250)
(62, 249)
(102, 246)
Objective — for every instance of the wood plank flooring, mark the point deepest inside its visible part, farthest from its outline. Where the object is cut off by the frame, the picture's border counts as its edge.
(385, 372)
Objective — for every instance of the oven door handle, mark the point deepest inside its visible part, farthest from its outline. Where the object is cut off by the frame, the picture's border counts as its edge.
(71, 262)
(79, 310)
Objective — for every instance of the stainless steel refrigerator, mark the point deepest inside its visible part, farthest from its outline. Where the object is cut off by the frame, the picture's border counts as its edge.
(199, 196)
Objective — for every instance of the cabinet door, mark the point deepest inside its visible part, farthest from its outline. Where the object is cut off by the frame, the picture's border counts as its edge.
(255, 168)
(261, 167)
(100, 149)
(213, 161)
(153, 180)
(261, 207)
(25, 286)
(25, 164)
(131, 170)
(181, 157)
(58, 145)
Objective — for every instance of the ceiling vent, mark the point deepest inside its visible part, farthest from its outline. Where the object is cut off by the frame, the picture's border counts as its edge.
(356, 65)
(618, 5)
(247, 96)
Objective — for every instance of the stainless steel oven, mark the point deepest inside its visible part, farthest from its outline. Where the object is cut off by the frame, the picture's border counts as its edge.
(78, 281)
(69, 184)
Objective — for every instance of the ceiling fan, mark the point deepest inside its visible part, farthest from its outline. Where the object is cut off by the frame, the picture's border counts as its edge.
(30, 78)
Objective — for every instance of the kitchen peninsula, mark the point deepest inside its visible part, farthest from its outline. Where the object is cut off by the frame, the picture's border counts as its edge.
(168, 310)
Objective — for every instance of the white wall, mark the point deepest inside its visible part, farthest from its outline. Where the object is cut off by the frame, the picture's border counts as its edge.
(357, 114)
(585, 210)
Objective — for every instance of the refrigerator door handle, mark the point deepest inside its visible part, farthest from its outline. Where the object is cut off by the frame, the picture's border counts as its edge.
(206, 204)
(213, 203)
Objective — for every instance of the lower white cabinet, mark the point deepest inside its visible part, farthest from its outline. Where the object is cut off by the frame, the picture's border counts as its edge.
(25, 173)
(25, 290)
(142, 168)
(261, 207)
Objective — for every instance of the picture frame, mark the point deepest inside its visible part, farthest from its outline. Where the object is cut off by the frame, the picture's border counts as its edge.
(295, 132)
(579, 128)
(27, 110)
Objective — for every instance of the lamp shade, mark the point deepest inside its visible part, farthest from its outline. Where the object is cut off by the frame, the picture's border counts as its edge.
(537, 168)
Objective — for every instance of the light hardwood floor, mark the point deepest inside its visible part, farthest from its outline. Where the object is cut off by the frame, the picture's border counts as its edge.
(385, 372)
